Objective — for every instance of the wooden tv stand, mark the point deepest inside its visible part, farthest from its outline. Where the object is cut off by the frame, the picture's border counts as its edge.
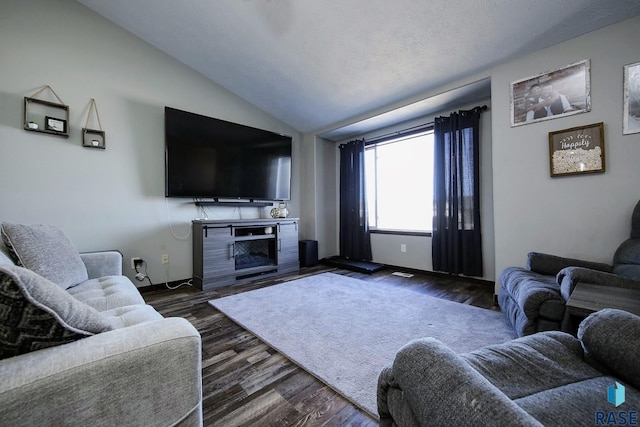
(227, 252)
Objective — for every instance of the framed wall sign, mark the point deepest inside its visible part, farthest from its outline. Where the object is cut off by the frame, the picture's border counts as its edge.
(631, 108)
(577, 150)
(551, 95)
(55, 125)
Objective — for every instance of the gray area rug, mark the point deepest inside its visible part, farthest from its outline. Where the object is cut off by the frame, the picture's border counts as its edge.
(344, 330)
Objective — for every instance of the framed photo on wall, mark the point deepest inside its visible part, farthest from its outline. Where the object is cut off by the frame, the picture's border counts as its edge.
(55, 124)
(577, 150)
(631, 108)
(551, 95)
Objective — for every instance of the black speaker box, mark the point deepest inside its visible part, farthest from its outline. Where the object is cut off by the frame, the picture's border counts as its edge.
(308, 252)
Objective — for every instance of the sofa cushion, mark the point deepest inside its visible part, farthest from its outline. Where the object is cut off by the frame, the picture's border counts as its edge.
(611, 338)
(107, 293)
(130, 315)
(576, 404)
(532, 364)
(35, 313)
(46, 250)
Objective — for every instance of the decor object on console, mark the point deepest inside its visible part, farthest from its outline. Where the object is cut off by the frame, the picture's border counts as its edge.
(577, 150)
(46, 116)
(549, 378)
(533, 298)
(81, 347)
(280, 212)
(93, 138)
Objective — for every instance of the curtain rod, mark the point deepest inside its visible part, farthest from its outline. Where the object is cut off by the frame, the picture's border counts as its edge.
(480, 109)
(416, 128)
(398, 132)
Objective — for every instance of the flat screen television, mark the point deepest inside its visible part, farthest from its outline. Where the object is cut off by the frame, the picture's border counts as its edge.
(212, 158)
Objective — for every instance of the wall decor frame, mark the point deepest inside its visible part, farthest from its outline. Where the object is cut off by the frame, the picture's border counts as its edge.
(46, 117)
(93, 138)
(577, 150)
(631, 107)
(551, 95)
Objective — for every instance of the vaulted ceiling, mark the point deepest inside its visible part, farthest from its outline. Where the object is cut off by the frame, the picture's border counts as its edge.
(314, 64)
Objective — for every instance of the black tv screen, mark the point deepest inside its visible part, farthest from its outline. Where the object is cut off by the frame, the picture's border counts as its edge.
(212, 158)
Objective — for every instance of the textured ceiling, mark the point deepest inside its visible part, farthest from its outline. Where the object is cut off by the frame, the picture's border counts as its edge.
(316, 63)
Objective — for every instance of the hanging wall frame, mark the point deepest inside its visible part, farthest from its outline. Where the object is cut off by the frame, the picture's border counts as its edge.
(93, 138)
(46, 116)
(577, 150)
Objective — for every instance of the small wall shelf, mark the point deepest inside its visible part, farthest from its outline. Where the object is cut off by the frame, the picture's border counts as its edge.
(46, 117)
(93, 138)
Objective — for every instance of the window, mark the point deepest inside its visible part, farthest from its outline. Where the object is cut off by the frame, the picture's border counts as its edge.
(399, 182)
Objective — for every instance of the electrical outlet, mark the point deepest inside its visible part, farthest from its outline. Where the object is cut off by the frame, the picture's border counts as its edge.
(165, 258)
(133, 262)
(403, 248)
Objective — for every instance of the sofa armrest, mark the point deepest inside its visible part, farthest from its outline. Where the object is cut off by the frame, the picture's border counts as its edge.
(443, 389)
(147, 374)
(612, 337)
(552, 264)
(101, 264)
(387, 386)
(569, 277)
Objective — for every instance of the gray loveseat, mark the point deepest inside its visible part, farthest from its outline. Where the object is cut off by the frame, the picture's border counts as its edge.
(533, 299)
(90, 353)
(548, 378)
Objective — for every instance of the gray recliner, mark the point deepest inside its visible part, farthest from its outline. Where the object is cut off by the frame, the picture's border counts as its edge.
(533, 298)
(549, 378)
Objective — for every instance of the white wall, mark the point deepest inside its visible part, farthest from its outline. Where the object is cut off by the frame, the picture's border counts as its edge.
(584, 216)
(112, 198)
(319, 206)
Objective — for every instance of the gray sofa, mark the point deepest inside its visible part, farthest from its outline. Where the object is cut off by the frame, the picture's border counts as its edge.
(548, 378)
(533, 298)
(90, 353)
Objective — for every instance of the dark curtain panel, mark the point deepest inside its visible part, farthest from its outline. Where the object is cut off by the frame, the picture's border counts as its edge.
(355, 242)
(456, 238)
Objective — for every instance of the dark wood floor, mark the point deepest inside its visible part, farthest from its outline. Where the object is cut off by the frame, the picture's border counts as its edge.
(247, 383)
